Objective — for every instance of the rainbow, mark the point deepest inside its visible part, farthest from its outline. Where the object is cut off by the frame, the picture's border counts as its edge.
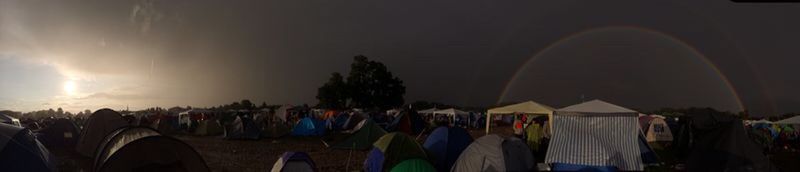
(703, 58)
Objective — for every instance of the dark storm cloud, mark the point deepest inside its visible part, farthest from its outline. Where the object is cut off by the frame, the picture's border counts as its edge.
(461, 52)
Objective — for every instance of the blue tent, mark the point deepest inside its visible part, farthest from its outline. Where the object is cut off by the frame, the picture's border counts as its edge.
(309, 127)
(445, 145)
(648, 155)
(20, 151)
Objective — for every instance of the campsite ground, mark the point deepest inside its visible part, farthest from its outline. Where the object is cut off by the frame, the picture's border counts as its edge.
(259, 155)
(247, 155)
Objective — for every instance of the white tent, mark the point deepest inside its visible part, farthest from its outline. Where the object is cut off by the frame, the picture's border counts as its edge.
(451, 113)
(792, 120)
(596, 133)
(282, 112)
(427, 111)
(528, 107)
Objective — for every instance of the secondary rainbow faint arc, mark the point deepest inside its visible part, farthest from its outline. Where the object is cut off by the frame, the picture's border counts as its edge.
(702, 57)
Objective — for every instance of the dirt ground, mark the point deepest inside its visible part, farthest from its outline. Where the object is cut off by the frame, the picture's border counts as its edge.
(259, 155)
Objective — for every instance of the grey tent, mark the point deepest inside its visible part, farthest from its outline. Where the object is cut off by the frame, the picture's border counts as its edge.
(208, 128)
(242, 128)
(101, 123)
(596, 133)
(144, 149)
(10, 120)
(495, 153)
(20, 151)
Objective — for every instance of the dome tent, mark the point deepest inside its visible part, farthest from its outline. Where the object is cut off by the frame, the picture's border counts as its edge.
(495, 153)
(309, 127)
(294, 162)
(20, 151)
(416, 165)
(445, 145)
(62, 134)
(100, 123)
(208, 128)
(390, 150)
(144, 149)
(408, 122)
(361, 139)
(242, 128)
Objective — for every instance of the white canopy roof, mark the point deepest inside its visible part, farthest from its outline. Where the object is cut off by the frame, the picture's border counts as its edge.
(524, 107)
(427, 111)
(451, 111)
(596, 106)
(792, 120)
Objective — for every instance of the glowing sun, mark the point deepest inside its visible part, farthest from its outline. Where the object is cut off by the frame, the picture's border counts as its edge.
(70, 87)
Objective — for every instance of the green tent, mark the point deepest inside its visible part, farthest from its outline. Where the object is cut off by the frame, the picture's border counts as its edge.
(397, 147)
(414, 165)
(363, 138)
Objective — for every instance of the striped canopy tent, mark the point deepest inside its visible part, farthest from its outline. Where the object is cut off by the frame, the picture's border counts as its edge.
(528, 107)
(595, 134)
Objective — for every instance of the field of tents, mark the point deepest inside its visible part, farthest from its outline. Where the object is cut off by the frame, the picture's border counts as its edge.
(528, 136)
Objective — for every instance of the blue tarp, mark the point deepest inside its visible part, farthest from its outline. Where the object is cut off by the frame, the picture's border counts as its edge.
(309, 127)
(445, 145)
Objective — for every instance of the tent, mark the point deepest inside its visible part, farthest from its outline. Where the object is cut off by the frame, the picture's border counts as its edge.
(361, 139)
(416, 165)
(427, 111)
(595, 133)
(273, 128)
(242, 128)
(495, 153)
(294, 161)
(283, 112)
(452, 113)
(408, 122)
(101, 123)
(719, 142)
(792, 120)
(63, 134)
(144, 149)
(658, 131)
(165, 125)
(529, 107)
(390, 150)
(309, 127)
(445, 145)
(20, 151)
(208, 128)
(10, 120)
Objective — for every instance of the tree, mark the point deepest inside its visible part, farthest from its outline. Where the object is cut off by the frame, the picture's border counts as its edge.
(373, 86)
(246, 104)
(334, 93)
(368, 85)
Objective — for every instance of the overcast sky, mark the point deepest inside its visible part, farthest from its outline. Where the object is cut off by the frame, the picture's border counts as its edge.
(91, 54)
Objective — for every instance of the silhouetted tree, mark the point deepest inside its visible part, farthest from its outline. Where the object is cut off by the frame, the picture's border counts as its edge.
(334, 93)
(372, 85)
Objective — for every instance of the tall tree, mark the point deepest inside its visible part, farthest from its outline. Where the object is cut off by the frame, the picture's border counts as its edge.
(334, 93)
(372, 85)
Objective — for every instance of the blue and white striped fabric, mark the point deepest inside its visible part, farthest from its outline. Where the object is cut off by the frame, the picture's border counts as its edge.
(597, 139)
